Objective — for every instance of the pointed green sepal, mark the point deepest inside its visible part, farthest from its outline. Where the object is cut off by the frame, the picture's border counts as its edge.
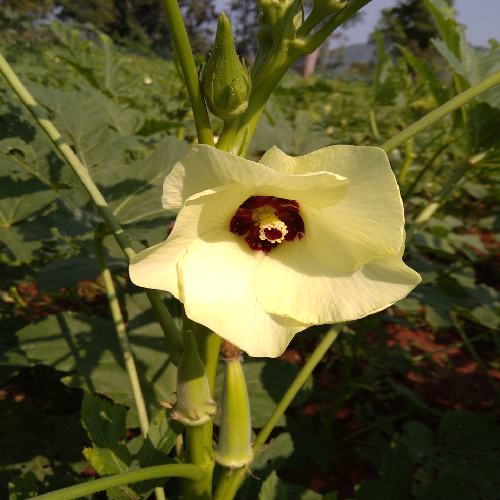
(194, 404)
(226, 82)
(234, 449)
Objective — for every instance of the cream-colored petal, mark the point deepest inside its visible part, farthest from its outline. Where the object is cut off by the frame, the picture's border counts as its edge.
(216, 275)
(156, 267)
(345, 238)
(367, 223)
(318, 189)
(292, 282)
(278, 160)
(205, 167)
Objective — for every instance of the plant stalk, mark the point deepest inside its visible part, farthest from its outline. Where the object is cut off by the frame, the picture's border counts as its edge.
(183, 48)
(126, 348)
(187, 471)
(443, 110)
(172, 334)
(121, 332)
(201, 457)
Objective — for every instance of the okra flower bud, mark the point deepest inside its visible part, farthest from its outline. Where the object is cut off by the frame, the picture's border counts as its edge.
(194, 404)
(234, 449)
(226, 82)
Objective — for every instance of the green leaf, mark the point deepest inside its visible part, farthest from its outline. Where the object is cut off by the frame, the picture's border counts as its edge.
(269, 458)
(299, 137)
(71, 220)
(273, 456)
(68, 272)
(84, 120)
(396, 476)
(105, 424)
(427, 74)
(20, 199)
(134, 191)
(420, 440)
(23, 486)
(273, 488)
(384, 88)
(163, 432)
(25, 238)
(444, 15)
(88, 349)
(85, 347)
(26, 433)
(450, 487)
(12, 358)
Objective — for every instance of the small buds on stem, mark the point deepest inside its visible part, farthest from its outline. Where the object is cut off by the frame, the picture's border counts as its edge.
(226, 81)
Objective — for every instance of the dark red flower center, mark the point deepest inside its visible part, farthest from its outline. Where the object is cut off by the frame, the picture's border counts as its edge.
(267, 221)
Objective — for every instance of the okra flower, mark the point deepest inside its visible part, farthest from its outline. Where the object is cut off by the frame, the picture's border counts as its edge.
(261, 251)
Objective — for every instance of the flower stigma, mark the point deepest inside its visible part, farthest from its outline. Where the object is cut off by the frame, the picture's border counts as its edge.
(267, 221)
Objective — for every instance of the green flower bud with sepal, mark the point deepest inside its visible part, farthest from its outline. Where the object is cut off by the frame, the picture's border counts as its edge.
(225, 82)
(194, 405)
(234, 449)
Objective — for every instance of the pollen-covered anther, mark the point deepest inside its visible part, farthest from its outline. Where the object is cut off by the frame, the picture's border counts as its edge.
(267, 221)
(273, 230)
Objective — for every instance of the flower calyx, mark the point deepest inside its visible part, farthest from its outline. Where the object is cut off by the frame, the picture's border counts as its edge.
(194, 405)
(226, 81)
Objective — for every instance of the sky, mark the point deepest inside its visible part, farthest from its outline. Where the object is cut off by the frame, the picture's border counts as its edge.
(482, 18)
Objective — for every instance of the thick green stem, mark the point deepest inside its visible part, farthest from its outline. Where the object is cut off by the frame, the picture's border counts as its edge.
(187, 471)
(121, 332)
(441, 112)
(200, 456)
(172, 334)
(227, 135)
(208, 348)
(186, 60)
(228, 485)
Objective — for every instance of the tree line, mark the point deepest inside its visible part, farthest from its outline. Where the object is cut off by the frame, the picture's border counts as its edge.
(141, 24)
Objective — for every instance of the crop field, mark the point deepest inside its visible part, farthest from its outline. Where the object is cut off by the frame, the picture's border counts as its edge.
(403, 405)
